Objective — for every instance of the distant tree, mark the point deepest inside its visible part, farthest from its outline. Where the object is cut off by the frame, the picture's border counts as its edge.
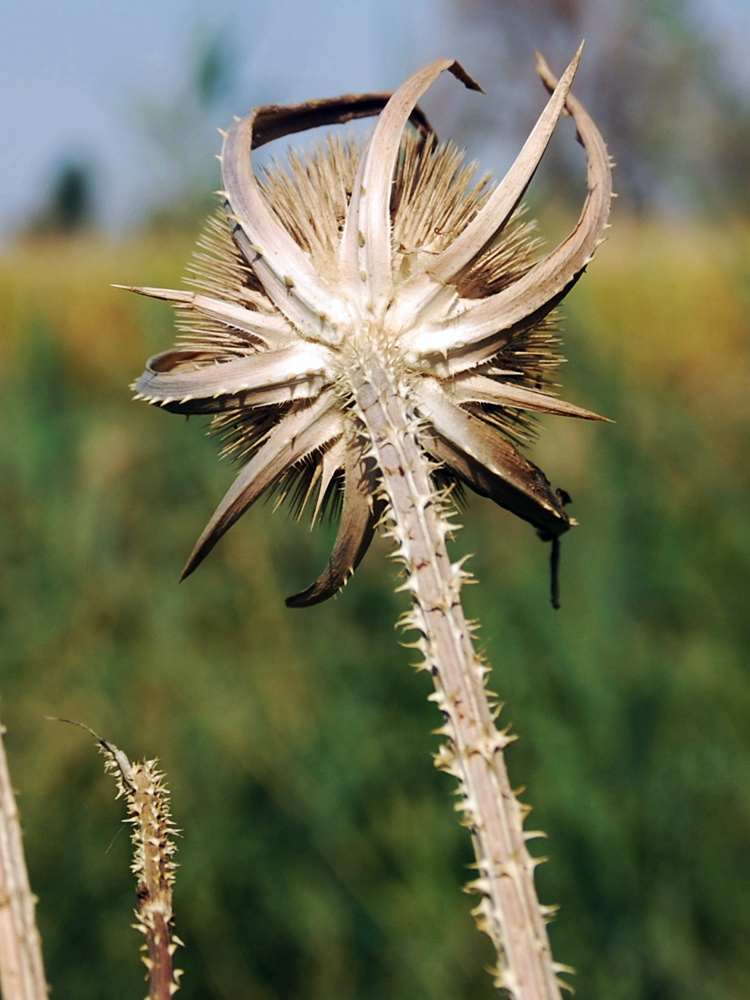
(69, 205)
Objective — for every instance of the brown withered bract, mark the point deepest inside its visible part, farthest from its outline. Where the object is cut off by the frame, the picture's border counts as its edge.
(395, 247)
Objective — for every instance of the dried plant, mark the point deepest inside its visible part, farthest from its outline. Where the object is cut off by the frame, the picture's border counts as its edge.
(21, 964)
(144, 789)
(147, 798)
(371, 322)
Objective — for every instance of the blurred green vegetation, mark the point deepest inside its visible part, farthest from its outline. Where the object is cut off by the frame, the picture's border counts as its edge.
(321, 857)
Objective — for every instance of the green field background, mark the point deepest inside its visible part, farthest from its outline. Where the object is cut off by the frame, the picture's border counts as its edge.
(320, 856)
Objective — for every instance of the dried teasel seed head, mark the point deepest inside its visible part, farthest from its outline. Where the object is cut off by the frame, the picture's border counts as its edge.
(395, 246)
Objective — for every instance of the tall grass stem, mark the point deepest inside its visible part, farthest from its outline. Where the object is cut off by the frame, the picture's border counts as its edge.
(21, 966)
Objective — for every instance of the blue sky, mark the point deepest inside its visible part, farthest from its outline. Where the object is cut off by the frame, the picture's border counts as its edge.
(72, 72)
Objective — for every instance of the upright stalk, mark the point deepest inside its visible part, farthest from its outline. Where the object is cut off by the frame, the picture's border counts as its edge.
(21, 966)
(144, 788)
(509, 911)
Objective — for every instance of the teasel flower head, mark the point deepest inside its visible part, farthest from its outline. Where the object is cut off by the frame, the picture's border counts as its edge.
(395, 249)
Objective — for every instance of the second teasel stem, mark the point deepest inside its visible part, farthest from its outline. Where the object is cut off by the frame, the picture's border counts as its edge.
(143, 786)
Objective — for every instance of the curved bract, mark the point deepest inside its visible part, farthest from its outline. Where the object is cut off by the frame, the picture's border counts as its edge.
(394, 251)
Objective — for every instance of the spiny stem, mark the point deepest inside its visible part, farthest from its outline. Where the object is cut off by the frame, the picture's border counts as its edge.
(154, 868)
(509, 911)
(21, 966)
(144, 789)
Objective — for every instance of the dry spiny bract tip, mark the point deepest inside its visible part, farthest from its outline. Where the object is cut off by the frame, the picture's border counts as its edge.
(390, 249)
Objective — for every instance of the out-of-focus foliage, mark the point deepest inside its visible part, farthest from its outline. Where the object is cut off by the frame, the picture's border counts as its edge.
(321, 857)
(69, 206)
(655, 82)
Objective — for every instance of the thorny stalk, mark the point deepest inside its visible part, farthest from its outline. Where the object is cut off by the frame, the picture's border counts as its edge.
(21, 965)
(372, 324)
(508, 911)
(143, 787)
